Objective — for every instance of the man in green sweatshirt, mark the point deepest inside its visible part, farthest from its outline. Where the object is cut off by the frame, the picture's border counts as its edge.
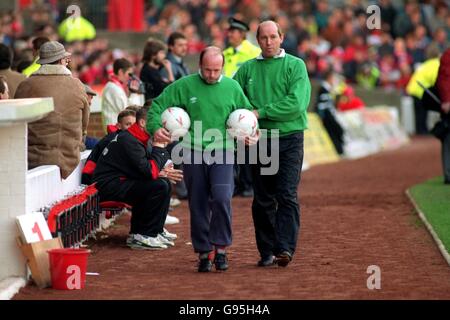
(278, 87)
(208, 152)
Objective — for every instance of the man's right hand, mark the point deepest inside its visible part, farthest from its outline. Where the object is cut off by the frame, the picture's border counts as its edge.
(162, 136)
(445, 107)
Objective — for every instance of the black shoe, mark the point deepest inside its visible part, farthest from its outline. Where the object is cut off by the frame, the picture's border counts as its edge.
(204, 265)
(221, 262)
(284, 258)
(267, 262)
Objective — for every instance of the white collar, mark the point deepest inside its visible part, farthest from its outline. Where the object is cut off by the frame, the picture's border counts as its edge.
(239, 47)
(200, 74)
(282, 54)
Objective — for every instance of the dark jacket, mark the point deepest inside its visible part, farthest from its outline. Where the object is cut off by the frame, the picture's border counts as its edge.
(125, 160)
(179, 69)
(91, 162)
(153, 82)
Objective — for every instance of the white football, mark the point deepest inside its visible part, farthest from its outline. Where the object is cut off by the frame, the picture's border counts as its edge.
(242, 123)
(176, 121)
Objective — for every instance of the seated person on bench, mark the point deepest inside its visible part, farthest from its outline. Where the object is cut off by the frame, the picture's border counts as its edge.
(125, 119)
(127, 172)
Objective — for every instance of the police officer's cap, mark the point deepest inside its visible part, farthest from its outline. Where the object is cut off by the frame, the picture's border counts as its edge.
(237, 24)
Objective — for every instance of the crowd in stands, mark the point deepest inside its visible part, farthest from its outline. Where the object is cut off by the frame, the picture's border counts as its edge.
(323, 33)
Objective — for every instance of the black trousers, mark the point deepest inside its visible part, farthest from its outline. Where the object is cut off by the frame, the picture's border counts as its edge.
(421, 116)
(334, 130)
(275, 209)
(150, 201)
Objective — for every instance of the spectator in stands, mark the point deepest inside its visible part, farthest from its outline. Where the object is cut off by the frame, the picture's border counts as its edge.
(89, 142)
(349, 101)
(154, 59)
(127, 172)
(34, 66)
(56, 138)
(13, 79)
(125, 119)
(208, 97)
(115, 94)
(177, 44)
(4, 91)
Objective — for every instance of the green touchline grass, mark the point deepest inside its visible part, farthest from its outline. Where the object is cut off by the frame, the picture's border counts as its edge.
(433, 199)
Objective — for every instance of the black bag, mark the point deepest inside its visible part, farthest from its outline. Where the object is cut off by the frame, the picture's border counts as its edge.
(440, 129)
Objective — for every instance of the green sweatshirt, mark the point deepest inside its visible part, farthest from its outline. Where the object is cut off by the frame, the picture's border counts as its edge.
(209, 103)
(279, 89)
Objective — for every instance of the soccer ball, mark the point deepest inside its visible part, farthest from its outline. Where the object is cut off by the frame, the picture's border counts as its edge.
(176, 121)
(242, 123)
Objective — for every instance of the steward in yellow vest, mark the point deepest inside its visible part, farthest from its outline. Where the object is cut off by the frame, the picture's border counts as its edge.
(240, 50)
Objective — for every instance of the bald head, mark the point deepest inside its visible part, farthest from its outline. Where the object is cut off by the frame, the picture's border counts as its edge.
(211, 53)
(269, 38)
(211, 64)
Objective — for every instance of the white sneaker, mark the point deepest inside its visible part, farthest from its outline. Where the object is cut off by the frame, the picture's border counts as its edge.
(165, 241)
(170, 236)
(174, 202)
(130, 239)
(142, 242)
(171, 220)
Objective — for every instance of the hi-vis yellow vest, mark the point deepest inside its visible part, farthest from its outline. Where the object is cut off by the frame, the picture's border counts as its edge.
(32, 68)
(426, 74)
(76, 29)
(234, 58)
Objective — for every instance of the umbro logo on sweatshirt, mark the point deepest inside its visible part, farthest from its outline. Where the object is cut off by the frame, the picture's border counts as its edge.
(193, 100)
(250, 81)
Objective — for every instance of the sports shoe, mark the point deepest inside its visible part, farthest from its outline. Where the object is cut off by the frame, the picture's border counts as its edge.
(141, 242)
(171, 220)
(130, 239)
(205, 262)
(165, 241)
(267, 262)
(284, 258)
(174, 202)
(221, 261)
(170, 236)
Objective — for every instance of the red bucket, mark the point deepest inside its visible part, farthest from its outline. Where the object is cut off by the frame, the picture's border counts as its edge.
(68, 268)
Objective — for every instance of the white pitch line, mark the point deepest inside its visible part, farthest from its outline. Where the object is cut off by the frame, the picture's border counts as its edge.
(436, 238)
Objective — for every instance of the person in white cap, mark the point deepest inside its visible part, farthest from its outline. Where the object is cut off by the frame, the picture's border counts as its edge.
(56, 138)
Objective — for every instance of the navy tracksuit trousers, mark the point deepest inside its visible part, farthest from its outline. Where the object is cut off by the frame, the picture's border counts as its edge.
(210, 189)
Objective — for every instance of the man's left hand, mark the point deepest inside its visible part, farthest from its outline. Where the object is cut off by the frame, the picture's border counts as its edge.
(252, 140)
